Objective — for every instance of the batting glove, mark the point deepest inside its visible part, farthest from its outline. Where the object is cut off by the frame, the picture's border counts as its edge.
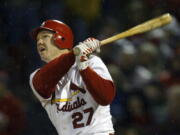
(93, 43)
(85, 48)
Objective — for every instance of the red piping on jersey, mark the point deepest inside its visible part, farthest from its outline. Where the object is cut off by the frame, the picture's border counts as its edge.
(103, 91)
(48, 76)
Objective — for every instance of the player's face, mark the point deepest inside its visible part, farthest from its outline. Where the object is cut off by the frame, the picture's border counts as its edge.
(46, 47)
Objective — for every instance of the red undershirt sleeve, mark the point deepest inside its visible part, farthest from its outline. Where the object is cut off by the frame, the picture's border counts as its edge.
(46, 79)
(103, 91)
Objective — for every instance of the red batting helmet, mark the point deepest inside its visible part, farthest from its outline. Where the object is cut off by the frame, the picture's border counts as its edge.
(63, 36)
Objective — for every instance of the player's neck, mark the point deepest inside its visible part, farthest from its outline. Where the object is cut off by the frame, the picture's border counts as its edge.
(57, 54)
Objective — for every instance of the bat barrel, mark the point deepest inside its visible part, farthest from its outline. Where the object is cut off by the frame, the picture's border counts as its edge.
(141, 28)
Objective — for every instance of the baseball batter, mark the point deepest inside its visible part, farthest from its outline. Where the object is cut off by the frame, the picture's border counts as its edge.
(74, 90)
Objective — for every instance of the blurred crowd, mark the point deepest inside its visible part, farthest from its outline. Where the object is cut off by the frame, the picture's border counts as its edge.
(146, 70)
(145, 67)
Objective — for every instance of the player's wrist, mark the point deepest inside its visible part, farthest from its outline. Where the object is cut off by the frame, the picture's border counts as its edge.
(82, 62)
(83, 65)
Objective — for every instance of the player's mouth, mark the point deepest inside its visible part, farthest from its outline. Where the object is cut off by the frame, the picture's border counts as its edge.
(41, 49)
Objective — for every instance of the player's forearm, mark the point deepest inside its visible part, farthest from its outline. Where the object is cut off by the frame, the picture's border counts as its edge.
(103, 91)
(49, 75)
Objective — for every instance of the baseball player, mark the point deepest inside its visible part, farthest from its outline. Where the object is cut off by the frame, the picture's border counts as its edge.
(74, 90)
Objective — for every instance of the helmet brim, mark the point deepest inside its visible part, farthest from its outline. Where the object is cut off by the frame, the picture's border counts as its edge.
(35, 31)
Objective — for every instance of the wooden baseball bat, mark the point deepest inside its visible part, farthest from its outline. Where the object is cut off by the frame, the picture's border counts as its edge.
(138, 29)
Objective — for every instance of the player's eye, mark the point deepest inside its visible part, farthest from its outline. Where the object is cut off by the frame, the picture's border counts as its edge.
(45, 36)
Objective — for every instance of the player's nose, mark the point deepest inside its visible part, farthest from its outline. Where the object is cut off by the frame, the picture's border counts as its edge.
(39, 41)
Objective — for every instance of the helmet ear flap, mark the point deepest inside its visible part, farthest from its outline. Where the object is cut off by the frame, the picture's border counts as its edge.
(58, 40)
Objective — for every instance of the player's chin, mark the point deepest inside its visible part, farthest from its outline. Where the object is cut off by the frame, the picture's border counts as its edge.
(43, 58)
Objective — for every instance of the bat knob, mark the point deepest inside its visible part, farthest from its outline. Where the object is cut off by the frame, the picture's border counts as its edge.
(76, 51)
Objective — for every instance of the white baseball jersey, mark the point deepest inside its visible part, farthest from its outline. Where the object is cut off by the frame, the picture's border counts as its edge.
(75, 112)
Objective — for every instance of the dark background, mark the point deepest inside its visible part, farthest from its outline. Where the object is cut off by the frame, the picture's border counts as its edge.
(145, 68)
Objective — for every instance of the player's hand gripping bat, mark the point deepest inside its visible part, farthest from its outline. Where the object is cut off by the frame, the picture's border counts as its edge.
(141, 28)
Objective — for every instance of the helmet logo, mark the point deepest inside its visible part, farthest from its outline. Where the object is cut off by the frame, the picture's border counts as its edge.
(58, 37)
